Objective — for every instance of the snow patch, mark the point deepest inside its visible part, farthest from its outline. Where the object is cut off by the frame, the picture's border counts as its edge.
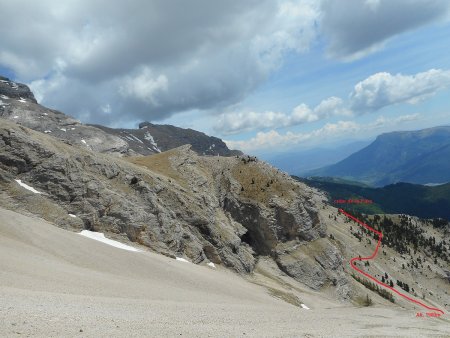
(45, 114)
(211, 264)
(99, 236)
(434, 184)
(15, 117)
(304, 307)
(22, 100)
(134, 137)
(129, 138)
(63, 129)
(83, 141)
(72, 215)
(150, 138)
(182, 259)
(47, 131)
(26, 186)
(4, 97)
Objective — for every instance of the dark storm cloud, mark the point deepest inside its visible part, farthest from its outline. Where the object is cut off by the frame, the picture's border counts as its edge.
(148, 59)
(356, 27)
(114, 62)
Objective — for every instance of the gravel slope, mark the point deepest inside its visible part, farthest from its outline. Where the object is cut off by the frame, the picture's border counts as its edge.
(55, 283)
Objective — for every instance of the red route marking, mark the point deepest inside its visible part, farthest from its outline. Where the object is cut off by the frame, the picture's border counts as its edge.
(380, 236)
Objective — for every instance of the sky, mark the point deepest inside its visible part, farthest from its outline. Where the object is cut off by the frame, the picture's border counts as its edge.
(266, 76)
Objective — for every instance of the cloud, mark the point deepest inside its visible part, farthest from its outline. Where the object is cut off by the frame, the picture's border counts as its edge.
(383, 89)
(370, 95)
(150, 59)
(232, 123)
(144, 87)
(407, 118)
(332, 106)
(273, 140)
(355, 28)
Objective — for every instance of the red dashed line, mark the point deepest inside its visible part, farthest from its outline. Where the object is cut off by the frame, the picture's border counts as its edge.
(380, 236)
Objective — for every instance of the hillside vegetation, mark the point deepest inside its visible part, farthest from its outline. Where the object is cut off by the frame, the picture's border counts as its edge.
(401, 198)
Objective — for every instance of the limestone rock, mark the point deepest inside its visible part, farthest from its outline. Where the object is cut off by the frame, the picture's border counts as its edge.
(228, 210)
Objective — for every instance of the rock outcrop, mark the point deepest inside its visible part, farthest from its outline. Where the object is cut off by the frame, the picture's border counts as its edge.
(12, 90)
(154, 138)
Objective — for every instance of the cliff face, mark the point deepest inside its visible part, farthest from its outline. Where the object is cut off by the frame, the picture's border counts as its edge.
(227, 210)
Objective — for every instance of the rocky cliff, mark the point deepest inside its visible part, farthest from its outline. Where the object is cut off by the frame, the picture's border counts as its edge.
(225, 210)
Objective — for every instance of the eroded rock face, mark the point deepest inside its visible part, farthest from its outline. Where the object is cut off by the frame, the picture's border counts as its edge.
(318, 265)
(221, 209)
(113, 196)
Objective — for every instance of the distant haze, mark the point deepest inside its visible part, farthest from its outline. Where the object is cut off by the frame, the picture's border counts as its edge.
(301, 161)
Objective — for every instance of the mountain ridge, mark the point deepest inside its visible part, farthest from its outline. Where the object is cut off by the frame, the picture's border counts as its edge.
(408, 156)
(17, 104)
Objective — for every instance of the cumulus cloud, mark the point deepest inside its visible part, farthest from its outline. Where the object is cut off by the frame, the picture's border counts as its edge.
(370, 95)
(231, 123)
(273, 140)
(150, 59)
(384, 89)
(332, 106)
(144, 87)
(355, 28)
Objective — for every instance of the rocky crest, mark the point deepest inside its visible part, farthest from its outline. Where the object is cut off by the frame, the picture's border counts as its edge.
(153, 138)
(17, 103)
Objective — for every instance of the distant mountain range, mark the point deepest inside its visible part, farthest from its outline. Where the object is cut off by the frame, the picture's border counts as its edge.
(400, 198)
(301, 161)
(421, 157)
